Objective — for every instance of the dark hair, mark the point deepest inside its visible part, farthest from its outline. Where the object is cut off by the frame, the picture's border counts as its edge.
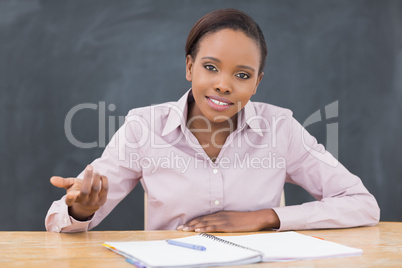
(226, 19)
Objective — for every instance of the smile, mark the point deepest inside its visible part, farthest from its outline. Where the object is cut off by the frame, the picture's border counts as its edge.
(218, 105)
(219, 102)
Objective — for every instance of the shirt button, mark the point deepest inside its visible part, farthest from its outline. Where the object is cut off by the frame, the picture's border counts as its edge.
(215, 171)
(216, 202)
(57, 229)
(65, 220)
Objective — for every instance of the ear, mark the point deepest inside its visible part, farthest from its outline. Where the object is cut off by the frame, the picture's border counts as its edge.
(258, 82)
(189, 68)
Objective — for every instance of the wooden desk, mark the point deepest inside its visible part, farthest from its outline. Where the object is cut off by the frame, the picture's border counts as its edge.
(381, 244)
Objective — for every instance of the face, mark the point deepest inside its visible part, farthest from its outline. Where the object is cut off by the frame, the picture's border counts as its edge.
(224, 74)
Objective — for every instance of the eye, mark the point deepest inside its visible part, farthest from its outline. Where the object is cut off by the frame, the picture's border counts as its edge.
(210, 67)
(243, 76)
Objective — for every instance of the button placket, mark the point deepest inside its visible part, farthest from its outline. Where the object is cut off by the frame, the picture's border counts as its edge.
(216, 189)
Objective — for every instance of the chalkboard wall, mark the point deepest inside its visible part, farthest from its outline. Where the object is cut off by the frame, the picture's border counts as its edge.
(118, 55)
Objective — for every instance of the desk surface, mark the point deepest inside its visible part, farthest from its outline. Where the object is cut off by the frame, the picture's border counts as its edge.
(381, 244)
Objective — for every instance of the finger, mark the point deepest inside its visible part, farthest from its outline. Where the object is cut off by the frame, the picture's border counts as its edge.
(195, 221)
(96, 182)
(212, 226)
(61, 182)
(86, 183)
(93, 196)
(207, 222)
(202, 225)
(104, 190)
(190, 226)
(71, 197)
(207, 229)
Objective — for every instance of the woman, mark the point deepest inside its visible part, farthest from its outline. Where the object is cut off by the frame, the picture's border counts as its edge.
(214, 161)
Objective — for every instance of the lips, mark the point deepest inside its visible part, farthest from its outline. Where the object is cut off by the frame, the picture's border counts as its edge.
(218, 103)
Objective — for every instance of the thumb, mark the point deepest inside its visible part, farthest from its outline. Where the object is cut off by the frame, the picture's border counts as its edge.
(61, 182)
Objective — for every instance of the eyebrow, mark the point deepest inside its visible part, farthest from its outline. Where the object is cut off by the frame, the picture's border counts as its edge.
(238, 66)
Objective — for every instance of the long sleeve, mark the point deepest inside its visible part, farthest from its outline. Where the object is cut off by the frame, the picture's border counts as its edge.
(122, 178)
(342, 199)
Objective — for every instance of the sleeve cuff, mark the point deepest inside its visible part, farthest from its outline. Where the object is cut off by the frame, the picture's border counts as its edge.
(67, 223)
(291, 218)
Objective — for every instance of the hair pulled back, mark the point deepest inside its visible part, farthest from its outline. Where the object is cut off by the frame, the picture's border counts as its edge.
(226, 19)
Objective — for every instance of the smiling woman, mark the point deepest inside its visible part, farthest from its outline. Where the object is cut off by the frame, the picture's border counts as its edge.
(237, 154)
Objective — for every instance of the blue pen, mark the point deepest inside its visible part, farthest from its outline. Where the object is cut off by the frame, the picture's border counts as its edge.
(136, 263)
(186, 245)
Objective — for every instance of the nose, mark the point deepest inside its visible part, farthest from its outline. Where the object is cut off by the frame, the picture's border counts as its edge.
(223, 84)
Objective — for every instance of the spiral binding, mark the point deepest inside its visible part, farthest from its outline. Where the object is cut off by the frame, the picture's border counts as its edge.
(209, 236)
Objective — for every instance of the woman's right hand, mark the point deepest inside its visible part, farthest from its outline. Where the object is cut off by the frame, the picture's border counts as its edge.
(84, 197)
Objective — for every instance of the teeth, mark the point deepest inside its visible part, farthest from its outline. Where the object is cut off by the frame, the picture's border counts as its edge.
(219, 102)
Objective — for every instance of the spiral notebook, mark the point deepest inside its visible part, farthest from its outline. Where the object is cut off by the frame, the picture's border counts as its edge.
(230, 250)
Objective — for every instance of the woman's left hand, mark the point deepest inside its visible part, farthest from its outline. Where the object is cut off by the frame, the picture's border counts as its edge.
(233, 221)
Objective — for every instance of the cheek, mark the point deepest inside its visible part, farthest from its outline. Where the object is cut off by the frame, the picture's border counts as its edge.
(246, 93)
(200, 75)
(202, 81)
